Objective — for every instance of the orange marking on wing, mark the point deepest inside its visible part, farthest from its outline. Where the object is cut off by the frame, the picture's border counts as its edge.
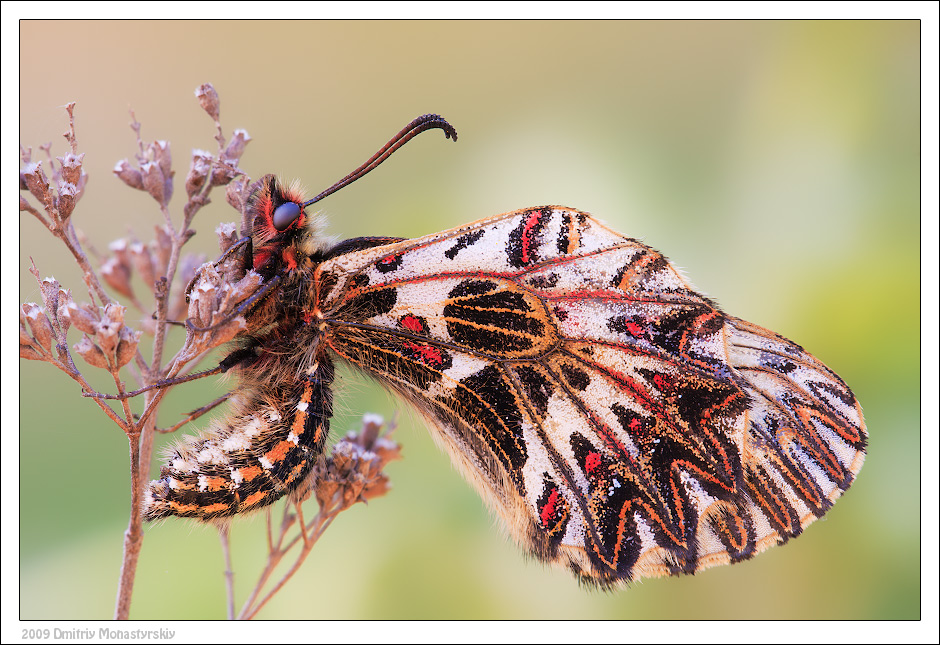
(630, 275)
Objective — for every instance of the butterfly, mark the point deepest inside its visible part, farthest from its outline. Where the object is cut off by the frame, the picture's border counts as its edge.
(618, 422)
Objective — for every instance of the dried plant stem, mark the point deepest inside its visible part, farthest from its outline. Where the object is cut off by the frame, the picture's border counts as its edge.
(146, 424)
(220, 295)
(141, 440)
(275, 553)
(88, 274)
(229, 573)
(63, 361)
(308, 534)
(141, 435)
(133, 536)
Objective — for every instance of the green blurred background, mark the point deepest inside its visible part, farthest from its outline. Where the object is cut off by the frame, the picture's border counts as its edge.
(776, 162)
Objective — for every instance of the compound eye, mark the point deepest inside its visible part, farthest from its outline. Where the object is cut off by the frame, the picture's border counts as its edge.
(285, 215)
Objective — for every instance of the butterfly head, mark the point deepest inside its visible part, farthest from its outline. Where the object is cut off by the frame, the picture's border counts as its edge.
(284, 233)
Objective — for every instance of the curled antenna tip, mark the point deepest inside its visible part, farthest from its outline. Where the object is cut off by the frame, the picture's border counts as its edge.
(410, 131)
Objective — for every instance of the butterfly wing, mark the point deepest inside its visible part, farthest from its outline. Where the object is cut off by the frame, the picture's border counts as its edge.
(616, 420)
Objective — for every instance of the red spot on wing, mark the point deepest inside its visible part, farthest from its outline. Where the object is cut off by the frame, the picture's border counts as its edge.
(664, 383)
(548, 511)
(634, 329)
(527, 241)
(428, 353)
(591, 462)
(412, 323)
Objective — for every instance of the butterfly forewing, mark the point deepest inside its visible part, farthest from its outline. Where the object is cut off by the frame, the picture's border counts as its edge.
(617, 421)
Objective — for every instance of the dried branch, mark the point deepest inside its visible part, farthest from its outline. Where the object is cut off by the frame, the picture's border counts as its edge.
(213, 302)
(353, 473)
(107, 342)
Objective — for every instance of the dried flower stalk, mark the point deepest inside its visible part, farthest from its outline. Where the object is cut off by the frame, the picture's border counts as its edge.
(50, 191)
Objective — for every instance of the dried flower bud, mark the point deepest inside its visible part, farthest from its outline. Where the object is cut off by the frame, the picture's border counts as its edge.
(353, 473)
(50, 293)
(119, 248)
(117, 270)
(228, 331)
(84, 317)
(203, 298)
(71, 167)
(371, 427)
(143, 263)
(26, 338)
(108, 337)
(160, 152)
(224, 172)
(62, 320)
(28, 353)
(127, 346)
(228, 235)
(326, 491)
(65, 202)
(234, 263)
(161, 248)
(39, 325)
(118, 276)
(237, 193)
(154, 181)
(246, 286)
(200, 342)
(108, 330)
(199, 170)
(378, 487)
(342, 456)
(90, 352)
(36, 181)
(114, 313)
(370, 464)
(373, 439)
(129, 175)
(208, 100)
(213, 298)
(235, 148)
